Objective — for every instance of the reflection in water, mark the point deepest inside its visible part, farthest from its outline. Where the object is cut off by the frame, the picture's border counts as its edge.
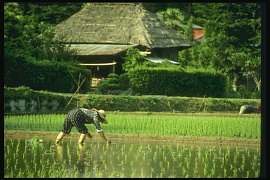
(80, 164)
(66, 156)
(59, 152)
(128, 160)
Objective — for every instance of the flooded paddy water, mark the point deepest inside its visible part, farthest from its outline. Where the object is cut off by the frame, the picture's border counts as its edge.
(128, 159)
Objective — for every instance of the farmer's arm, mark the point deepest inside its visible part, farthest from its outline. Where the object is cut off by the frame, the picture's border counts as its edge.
(103, 136)
(100, 131)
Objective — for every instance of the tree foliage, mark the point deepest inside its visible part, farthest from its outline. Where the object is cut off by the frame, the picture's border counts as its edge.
(50, 12)
(232, 40)
(174, 18)
(29, 30)
(132, 59)
(15, 33)
(232, 37)
(231, 43)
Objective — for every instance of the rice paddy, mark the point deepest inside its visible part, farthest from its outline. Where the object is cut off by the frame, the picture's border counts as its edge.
(134, 158)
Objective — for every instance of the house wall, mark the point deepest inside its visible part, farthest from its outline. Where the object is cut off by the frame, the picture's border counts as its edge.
(101, 71)
(167, 53)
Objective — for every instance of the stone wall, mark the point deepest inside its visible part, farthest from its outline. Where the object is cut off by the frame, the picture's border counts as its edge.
(32, 106)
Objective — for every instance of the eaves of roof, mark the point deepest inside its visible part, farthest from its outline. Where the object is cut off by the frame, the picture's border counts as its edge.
(160, 60)
(99, 49)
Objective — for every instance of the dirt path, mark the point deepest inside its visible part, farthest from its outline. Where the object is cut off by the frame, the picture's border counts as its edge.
(126, 137)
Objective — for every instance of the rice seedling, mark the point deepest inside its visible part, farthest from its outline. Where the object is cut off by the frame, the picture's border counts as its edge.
(154, 159)
(149, 125)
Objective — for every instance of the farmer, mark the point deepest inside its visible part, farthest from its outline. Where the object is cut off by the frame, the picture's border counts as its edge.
(246, 109)
(79, 117)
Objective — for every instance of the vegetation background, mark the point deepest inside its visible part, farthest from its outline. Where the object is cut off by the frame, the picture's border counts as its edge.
(231, 44)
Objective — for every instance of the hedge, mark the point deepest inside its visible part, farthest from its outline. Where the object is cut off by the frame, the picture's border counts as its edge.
(46, 75)
(128, 103)
(175, 82)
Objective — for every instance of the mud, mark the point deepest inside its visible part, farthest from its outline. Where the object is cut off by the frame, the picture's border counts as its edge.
(17, 134)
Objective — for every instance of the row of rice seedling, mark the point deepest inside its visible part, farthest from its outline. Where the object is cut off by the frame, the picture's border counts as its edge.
(127, 160)
(249, 127)
(34, 122)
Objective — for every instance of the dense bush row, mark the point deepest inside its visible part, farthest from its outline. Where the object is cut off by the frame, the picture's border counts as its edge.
(132, 103)
(174, 82)
(166, 104)
(46, 75)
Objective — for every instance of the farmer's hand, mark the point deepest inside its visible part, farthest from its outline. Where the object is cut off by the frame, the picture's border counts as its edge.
(94, 109)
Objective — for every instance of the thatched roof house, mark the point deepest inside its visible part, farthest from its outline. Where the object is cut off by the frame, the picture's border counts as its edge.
(102, 32)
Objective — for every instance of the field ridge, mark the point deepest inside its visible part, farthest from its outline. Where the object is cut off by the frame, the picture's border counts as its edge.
(19, 134)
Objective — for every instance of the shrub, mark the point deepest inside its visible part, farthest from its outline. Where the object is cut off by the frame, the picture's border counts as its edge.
(45, 75)
(114, 84)
(123, 81)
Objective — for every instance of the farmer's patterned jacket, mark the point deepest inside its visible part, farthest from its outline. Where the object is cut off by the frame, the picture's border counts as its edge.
(79, 117)
(91, 117)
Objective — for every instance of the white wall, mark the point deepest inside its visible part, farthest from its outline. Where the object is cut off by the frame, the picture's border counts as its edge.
(21, 105)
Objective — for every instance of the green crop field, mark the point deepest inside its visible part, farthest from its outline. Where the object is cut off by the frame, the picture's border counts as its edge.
(26, 158)
(149, 124)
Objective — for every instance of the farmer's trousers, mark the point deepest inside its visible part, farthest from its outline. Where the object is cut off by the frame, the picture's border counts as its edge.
(75, 118)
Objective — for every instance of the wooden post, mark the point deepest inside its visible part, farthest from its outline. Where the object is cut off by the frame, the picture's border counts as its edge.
(38, 103)
(114, 67)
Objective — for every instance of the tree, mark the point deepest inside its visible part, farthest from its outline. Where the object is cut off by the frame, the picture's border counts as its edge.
(15, 38)
(50, 12)
(26, 36)
(184, 56)
(231, 30)
(132, 59)
(51, 49)
(250, 65)
(174, 18)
